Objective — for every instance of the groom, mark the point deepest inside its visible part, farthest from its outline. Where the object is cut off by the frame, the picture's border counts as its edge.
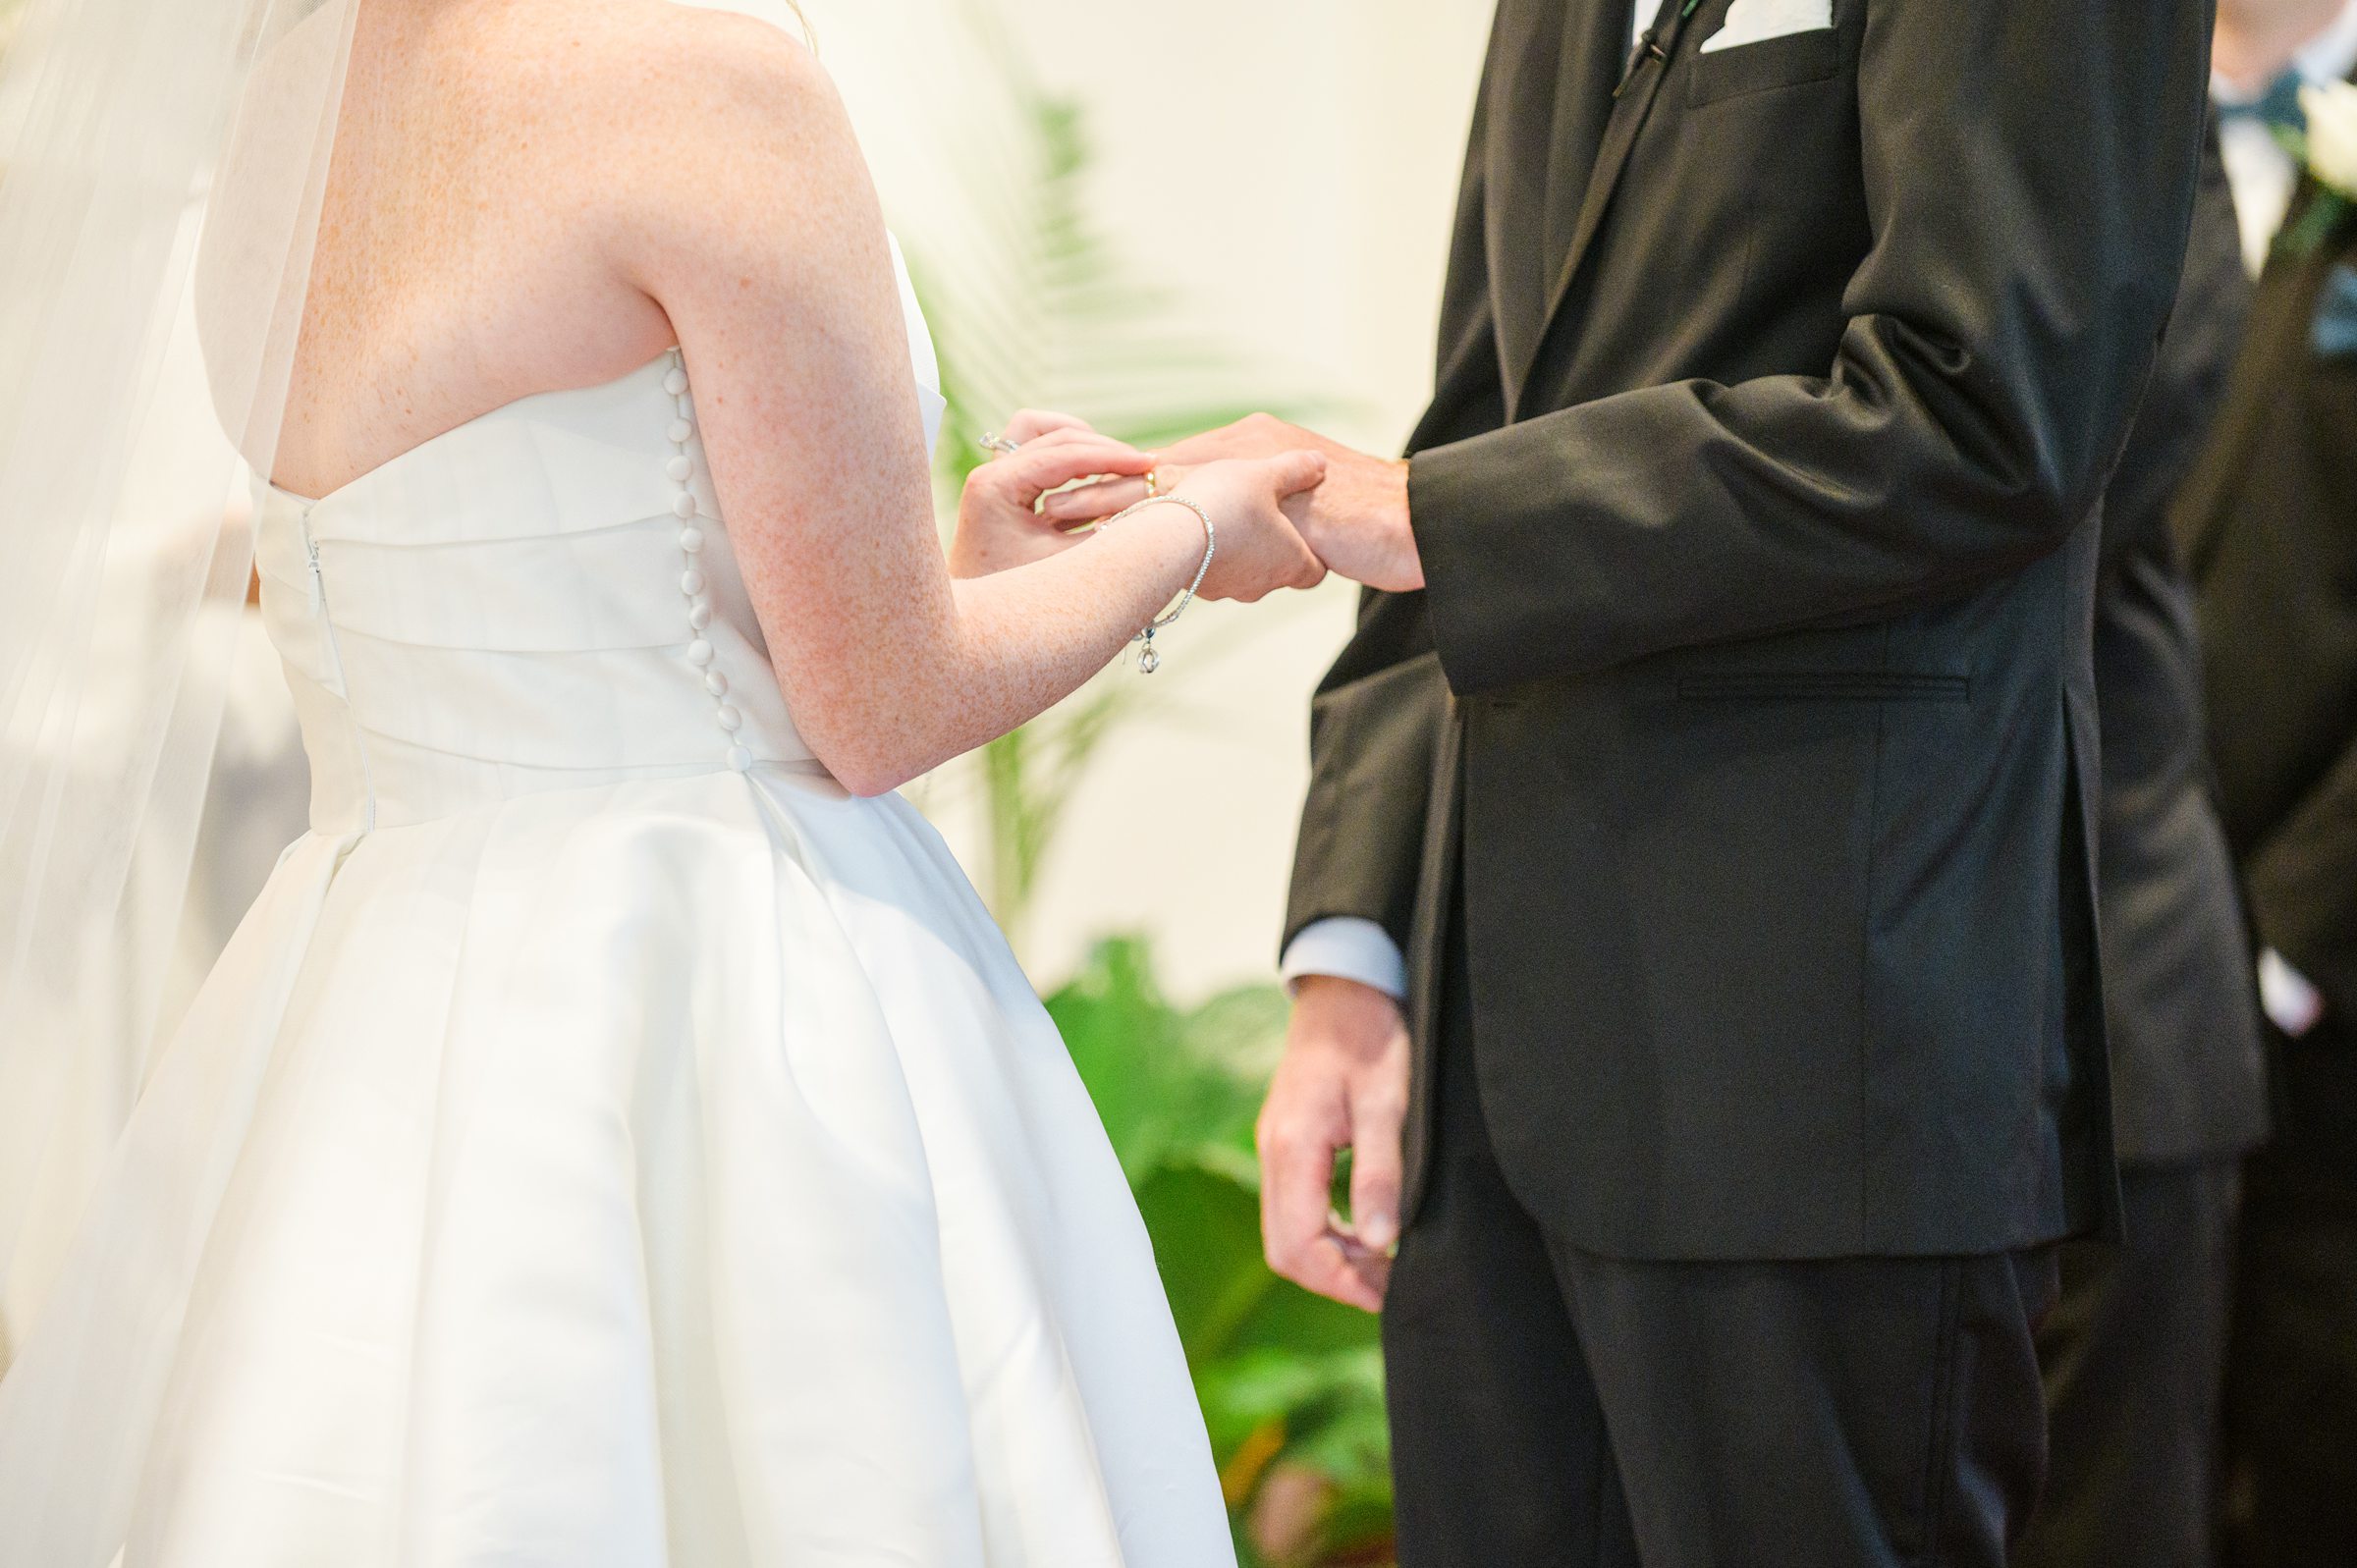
(1709, 775)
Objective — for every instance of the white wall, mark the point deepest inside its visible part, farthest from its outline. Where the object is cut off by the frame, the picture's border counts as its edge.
(1289, 168)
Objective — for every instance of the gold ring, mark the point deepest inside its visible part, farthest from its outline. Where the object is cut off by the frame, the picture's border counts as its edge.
(1153, 483)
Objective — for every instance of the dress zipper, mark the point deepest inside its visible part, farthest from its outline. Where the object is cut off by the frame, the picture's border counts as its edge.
(311, 547)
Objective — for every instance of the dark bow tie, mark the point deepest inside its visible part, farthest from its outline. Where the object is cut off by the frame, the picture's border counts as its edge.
(2277, 108)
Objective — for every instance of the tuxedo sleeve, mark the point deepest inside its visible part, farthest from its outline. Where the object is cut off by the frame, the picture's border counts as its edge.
(2303, 886)
(1374, 727)
(2029, 172)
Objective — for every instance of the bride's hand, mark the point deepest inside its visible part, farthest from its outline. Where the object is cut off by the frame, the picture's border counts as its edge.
(998, 521)
(1256, 505)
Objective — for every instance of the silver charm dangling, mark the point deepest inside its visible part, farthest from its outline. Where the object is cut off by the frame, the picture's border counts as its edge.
(1149, 658)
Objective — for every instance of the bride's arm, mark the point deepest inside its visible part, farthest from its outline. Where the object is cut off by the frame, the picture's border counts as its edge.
(746, 213)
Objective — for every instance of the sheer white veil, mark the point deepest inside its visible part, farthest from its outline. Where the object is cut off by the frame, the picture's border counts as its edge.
(161, 164)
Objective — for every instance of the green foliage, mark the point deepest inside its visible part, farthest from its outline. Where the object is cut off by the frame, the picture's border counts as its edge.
(2322, 222)
(1292, 1385)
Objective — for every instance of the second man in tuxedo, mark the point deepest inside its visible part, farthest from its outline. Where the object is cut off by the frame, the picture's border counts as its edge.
(2135, 1350)
(2269, 529)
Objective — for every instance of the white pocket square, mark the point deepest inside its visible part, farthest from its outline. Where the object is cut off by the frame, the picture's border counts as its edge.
(1758, 21)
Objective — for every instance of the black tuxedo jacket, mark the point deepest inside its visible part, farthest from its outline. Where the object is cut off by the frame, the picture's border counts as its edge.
(2269, 527)
(1758, 502)
(2188, 1079)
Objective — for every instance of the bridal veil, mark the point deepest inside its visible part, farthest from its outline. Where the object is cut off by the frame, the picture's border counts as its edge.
(161, 163)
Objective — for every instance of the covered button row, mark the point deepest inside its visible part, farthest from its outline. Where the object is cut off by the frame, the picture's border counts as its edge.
(700, 653)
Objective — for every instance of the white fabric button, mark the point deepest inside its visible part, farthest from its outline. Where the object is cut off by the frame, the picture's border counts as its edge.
(739, 758)
(700, 616)
(729, 718)
(683, 506)
(716, 683)
(691, 540)
(679, 468)
(700, 653)
(692, 582)
(677, 382)
(681, 430)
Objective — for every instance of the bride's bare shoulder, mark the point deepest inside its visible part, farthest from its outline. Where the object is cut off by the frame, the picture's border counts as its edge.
(648, 106)
(629, 71)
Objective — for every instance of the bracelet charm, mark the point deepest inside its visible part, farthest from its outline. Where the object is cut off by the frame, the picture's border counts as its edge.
(1149, 658)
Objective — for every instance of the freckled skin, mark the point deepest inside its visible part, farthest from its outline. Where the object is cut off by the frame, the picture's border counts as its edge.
(536, 195)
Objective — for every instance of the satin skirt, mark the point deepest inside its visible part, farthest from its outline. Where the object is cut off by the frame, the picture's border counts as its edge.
(672, 1174)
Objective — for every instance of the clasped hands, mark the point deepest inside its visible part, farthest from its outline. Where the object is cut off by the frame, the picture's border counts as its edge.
(1283, 521)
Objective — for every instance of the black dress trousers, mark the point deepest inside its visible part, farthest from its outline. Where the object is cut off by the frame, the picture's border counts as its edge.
(2291, 1376)
(2135, 1356)
(1555, 1409)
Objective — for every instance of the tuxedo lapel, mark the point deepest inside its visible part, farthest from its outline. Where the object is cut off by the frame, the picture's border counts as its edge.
(2252, 401)
(1595, 54)
(1525, 82)
(1601, 125)
(2280, 316)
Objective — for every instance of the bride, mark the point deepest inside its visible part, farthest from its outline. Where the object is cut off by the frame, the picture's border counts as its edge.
(617, 1137)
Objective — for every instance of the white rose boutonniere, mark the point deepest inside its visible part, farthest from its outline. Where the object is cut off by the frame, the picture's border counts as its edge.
(2328, 150)
(2331, 111)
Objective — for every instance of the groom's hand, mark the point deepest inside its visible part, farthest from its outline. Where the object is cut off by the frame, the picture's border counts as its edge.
(1356, 521)
(1343, 1085)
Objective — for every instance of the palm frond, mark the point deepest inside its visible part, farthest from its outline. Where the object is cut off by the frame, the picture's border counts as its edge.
(1033, 305)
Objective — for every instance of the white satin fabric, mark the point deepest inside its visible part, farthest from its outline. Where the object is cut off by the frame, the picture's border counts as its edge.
(601, 1146)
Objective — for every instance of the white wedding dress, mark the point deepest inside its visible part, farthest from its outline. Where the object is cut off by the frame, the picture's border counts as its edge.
(607, 1142)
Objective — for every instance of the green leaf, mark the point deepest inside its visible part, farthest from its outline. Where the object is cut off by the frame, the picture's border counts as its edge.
(1125, 1039)
(1292, 1317)
(1169, 1086)
(1178, 1091)
(1358, 1523)
(1206, 1232)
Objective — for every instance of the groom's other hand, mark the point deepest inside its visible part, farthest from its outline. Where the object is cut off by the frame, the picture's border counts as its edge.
(1357, 521)
(1343, 1085)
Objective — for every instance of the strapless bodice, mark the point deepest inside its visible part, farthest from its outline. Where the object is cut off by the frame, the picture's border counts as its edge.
(539, 599)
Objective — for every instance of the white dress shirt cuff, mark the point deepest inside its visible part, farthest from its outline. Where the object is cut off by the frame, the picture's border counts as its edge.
(2292, 1004)
(1347, 948)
